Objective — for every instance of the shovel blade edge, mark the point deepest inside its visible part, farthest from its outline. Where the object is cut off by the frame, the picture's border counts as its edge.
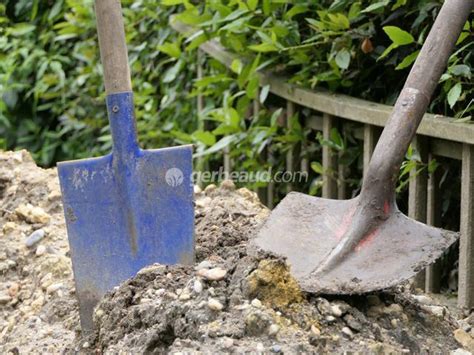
(304, 229)
(123, 216)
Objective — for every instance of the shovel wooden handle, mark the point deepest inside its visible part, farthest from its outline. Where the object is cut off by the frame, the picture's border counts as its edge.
(378, 187)
(113, 48)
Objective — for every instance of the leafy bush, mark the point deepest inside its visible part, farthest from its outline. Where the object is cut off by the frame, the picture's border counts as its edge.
(53, 97)
(51, 81)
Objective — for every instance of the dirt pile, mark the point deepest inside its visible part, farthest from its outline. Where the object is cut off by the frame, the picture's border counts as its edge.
(38, 309)
(229, 301)
(234, 302)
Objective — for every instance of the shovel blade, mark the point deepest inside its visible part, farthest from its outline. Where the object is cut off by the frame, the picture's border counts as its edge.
(304, 229)
(123, 216)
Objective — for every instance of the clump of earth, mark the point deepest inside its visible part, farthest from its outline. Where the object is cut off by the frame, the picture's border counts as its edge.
(232, 300)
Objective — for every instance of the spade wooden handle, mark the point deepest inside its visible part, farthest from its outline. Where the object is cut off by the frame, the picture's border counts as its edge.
(113, 48)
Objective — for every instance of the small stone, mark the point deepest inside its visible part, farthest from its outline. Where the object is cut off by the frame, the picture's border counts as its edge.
(460, 351)
(99, 313)
(4, 298)
(315, 330)
(228, 185)
(197, 190)
(205, 264)
(324, 306)
(394, 323)
(438, 311)
(256, 303)
(32, 214)
(210, 189)
(330, 319)
(215, 274)
(336, 311)
(273, 329)
(373, 300)
(214, 304)
(9, 227)
(463, 338)
(86, 345)
(41, 250)
(347, 332)
(203, 202)
(34, 237)
(197, 286)
(53, 288)
(352, 323)
(423, 299)
(227, 342)
(13, 289)
(38, 302)
(393, 309)
(184, 296)
(260, 347)
(275, 348)
(257, 323)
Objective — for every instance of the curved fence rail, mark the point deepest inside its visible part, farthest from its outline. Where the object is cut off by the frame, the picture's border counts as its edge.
(436, 136)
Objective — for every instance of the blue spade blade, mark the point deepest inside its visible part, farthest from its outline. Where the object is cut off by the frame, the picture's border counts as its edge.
(126, 210)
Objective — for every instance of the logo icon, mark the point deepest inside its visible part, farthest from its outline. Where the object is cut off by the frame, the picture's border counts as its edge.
(174, 177)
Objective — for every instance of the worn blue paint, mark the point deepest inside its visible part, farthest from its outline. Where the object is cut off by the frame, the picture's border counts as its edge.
(123, 211)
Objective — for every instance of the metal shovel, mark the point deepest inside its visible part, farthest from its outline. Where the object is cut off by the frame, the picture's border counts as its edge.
(366, 243)
(130, 208)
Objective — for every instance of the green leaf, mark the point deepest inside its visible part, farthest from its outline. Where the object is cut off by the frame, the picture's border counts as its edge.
(387, 51)
(398, 36)
(354, 11)
(266, 7)
(408, 60)
(343, 58)
(263, 47)
(398, 4)
(172, 72)
(172, 2)
(295, 10)
(317, 168)
(252, 4)
(454, 94)
(340, 21)
(461, 70)
(462, 37)
(21, 29)
(264, 93)
(236, 66)
(172, 49)
(252, 88)
(377, 6)
(205, 137)
(221, 144)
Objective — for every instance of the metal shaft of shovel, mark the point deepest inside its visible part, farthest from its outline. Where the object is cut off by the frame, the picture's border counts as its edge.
(366, 243)
(132, 207)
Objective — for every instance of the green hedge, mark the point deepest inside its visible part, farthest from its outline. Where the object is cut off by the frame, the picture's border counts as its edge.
(53, 97)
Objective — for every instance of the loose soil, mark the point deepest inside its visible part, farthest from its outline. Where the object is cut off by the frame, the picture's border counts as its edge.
(232, 300)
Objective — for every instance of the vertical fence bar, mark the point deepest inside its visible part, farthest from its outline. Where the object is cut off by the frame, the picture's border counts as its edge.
(433, 218)
(227, 164)
(290, 111)
(370, 140)
(342, 173)
(417, 191)
(329, 160)
(466, 247)
(200, 165)
(261, 191)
